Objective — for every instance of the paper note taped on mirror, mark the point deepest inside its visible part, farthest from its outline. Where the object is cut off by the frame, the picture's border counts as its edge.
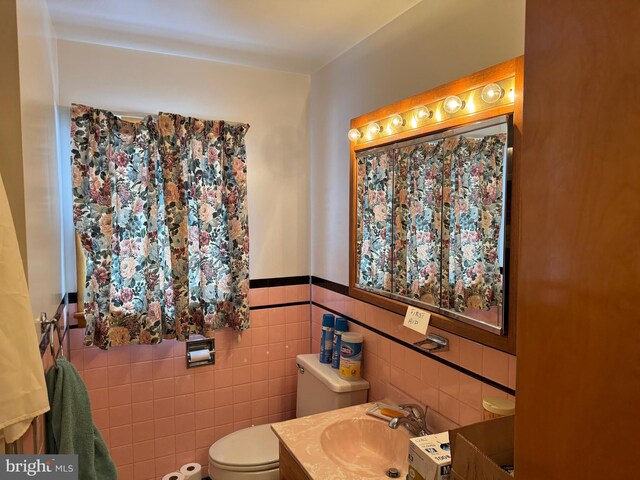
(417, 319)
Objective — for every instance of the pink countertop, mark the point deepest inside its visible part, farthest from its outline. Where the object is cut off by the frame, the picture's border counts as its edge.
(345, 444)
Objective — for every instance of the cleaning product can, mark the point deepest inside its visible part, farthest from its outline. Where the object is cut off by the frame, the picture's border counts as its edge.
(341, 327)
(351, 355)
(326, 340)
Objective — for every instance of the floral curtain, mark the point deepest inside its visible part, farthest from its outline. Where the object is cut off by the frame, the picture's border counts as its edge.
(205, 171)
(375, 221)
(473, 172)
(417, 213)
(161, 212)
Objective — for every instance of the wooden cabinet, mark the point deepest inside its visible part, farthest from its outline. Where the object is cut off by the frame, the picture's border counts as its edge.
(579, 272)
(290, 469)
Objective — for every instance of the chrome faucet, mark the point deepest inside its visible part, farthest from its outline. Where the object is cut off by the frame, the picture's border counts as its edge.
(415, 421)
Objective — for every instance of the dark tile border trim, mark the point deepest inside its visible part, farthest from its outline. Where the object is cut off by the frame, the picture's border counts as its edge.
(438, 359)
(278, 305)
(278, 281)
(329, 285)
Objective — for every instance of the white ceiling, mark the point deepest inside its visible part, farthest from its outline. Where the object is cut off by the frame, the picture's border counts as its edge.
(291, 35)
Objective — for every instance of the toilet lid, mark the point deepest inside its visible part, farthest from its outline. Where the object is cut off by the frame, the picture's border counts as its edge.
(249, 449)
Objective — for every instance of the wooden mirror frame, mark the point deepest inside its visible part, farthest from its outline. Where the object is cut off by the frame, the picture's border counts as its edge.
(512, 68)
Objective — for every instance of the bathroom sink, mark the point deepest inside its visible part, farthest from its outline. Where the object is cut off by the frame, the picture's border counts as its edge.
(366, 447)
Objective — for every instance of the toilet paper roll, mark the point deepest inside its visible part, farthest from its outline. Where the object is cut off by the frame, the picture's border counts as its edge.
(174, 476)
(198, 355)
(191, 471)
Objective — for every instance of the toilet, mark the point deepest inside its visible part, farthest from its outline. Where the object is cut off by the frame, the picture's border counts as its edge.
(252, 453)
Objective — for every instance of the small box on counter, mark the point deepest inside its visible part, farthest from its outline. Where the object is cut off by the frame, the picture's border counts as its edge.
(430, 457)
(483, 450)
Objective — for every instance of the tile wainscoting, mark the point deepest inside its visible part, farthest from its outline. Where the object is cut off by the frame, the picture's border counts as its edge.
(453, 383)
(157, 415)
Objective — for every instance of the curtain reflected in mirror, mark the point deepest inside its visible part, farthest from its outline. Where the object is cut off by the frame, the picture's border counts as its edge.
(431, 222)
(375, 224)
(418, 222)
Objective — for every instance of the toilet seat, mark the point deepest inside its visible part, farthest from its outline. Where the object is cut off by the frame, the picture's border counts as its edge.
(252, 449)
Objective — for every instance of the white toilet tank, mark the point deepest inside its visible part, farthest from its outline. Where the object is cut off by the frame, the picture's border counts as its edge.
(320, 387)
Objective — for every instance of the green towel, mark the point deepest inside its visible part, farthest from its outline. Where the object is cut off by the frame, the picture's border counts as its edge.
(70, 428)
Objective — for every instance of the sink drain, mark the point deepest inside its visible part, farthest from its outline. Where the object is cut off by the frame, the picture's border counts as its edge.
(393, 473)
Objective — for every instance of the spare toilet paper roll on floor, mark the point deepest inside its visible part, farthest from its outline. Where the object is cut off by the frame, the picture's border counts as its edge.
(191, 471)
(174, 476)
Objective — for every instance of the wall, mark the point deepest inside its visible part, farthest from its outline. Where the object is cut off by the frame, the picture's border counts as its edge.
(579, 271)
(28, 139)
(156, 415)
(433, 43)
(451, 383)
(273, 103)
(38, 92)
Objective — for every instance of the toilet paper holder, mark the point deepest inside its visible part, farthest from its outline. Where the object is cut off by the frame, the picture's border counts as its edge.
(200, 351)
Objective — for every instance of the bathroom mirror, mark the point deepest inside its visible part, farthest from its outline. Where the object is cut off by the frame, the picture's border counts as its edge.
(433, 219)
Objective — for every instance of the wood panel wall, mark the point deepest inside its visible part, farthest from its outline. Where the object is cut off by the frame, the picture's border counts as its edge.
(578, 406)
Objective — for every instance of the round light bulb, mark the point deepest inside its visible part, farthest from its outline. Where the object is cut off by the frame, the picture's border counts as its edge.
(492, 93)
(397, 121)
(354, 134)
(424, 113)
(374, 128)
(452, 104)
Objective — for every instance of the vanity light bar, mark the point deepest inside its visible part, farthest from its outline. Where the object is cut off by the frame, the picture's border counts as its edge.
(472, 101)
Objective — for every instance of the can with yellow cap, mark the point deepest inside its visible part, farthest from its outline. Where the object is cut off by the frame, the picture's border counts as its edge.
(494, 407)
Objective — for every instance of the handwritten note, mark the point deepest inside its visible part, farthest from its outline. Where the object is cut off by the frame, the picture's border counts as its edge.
(417, 319)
